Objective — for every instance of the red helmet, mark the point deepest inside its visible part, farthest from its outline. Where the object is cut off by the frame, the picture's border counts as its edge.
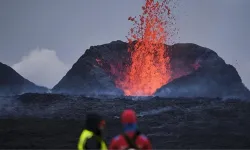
(128, 116)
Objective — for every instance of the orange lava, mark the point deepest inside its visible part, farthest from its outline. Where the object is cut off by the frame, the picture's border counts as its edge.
(150, 68)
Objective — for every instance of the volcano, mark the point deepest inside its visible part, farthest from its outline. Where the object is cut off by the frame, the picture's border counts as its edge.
(145, 66)
(196, 71)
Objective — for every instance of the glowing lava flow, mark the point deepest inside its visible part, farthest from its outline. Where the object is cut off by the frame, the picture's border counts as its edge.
(150, 68)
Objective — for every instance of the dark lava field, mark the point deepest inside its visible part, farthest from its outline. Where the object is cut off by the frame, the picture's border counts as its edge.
(49, 121)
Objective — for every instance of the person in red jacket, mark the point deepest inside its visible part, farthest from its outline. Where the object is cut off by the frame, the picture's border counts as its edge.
(131, 138)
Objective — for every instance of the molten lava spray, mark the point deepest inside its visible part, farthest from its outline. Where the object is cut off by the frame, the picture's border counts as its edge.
(150, 68)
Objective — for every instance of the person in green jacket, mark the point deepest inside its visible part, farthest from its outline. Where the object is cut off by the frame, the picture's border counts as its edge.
(91, 136)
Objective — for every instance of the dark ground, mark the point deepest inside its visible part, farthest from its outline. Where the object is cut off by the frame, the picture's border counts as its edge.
(56, 121)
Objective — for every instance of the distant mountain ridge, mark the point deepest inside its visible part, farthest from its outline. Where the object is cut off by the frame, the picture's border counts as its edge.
(12, 83)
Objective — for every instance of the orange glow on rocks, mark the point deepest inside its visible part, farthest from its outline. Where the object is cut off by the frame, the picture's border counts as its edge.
(150, 67)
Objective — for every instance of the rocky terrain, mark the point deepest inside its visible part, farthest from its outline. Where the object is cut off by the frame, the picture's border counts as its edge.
(211, 78)
(53, 121)
(212, 82)
(88, 78)
(196, 72)
(12, 83)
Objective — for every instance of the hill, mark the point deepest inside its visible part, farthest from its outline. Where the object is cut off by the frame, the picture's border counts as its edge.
(12, 83)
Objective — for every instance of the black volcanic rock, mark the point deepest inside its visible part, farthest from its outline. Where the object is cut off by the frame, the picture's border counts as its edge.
(212, 77)
(12, 83)
(193, 68)
(55, 121)
(186, 58)
(86, 77)
(212, 82)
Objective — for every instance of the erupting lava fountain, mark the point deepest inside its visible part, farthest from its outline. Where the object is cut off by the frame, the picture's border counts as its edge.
(150, 67)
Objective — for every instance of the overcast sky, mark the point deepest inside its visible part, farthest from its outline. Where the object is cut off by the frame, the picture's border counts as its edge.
(41, 39)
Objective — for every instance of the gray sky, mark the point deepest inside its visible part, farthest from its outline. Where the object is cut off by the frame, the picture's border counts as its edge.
(41, 39)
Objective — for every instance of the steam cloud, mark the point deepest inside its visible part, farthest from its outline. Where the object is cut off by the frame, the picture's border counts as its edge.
(42, 66)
